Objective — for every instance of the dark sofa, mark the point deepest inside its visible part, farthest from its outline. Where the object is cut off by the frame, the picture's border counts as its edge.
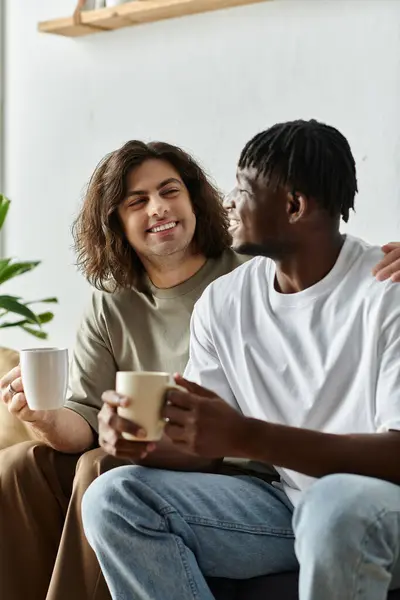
(271, 587)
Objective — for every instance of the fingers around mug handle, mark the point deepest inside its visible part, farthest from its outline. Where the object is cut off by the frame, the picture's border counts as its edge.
(172, 387)
(175, 386)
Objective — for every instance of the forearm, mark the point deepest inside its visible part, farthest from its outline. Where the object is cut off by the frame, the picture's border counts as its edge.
(316, 454)
(167, 456)
(64, 430)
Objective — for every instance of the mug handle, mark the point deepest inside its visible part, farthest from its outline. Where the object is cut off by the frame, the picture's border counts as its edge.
(175, 386)
(172, 386)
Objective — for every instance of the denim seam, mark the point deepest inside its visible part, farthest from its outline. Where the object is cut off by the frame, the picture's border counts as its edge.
(357, 592)
(186, 567)
(230, 526)
(240, 528)
(164, 512)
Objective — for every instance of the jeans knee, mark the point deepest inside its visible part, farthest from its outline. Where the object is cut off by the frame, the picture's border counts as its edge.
(112, 496)
(338, 512)
(98, 501)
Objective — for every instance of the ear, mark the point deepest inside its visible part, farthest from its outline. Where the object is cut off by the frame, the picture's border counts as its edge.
(296, 206)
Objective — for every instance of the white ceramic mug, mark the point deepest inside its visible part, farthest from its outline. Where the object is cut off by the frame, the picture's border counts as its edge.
(44, 373)
(93, 4)
(110, 3)
(146, 390)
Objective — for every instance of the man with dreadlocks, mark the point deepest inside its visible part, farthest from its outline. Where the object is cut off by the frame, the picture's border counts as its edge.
(295, 362)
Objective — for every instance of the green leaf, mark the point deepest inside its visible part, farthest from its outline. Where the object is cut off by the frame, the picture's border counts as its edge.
(4, 206)
(15, 269)
(42, 317)
(12, 305)
(4, 262)
(43, 300)
(31, 323)
(42, 335)
(45, 317)
(6, 297)
(13, 323)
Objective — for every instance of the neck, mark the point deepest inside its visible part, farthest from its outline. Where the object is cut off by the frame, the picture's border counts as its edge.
(310, 263)
(169, 271)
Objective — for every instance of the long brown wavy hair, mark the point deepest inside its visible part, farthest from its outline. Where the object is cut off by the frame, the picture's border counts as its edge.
(104, 255)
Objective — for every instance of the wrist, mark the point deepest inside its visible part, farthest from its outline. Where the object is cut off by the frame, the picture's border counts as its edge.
(251, 439)
(42, 420)
(44, 425)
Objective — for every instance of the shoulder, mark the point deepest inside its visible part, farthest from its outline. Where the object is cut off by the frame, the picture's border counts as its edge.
(364, 255)
(382, 297)
(227, 290)
(246, 269)
(105, 306)
(101, 301)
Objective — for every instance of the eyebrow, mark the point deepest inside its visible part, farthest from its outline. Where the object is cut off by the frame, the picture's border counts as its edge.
(159, 186)
(246, 180)
(240, 175)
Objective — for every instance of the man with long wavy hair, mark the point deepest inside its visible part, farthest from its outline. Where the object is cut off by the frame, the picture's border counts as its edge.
(151, 236)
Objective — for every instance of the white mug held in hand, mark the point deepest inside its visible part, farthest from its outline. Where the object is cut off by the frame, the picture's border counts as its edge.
(44, 373)
(110, 3)
(146, 391)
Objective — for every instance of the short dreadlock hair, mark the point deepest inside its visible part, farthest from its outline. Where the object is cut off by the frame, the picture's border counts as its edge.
(306, 156)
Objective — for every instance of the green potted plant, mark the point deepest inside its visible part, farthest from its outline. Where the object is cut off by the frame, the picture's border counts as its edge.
(14, 311)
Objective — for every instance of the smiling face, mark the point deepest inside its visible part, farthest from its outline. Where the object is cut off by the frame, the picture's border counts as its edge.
(156, 213)
(260, 215)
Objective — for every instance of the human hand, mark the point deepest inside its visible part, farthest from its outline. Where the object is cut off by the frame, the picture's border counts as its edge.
(389, 266)
(200, 422)
(13, 396)
(112, 426)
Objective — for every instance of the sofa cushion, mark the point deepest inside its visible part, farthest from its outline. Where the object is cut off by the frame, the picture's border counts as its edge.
(282, 586)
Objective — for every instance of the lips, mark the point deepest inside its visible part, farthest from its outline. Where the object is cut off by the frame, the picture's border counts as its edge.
(163, 227)
(232, 215)
(233, 222)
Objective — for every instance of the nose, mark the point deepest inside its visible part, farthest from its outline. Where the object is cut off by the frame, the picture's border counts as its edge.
(157, 206)
(229, 200)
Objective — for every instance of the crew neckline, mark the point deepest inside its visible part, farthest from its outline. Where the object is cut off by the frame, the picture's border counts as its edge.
(186, 286)
(320, 288)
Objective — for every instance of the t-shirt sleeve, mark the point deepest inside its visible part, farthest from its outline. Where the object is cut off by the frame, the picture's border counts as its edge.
(388, 385)
(204, 366)
(92, 369)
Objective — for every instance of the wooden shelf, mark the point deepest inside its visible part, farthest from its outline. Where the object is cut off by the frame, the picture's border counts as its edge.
(133, 13)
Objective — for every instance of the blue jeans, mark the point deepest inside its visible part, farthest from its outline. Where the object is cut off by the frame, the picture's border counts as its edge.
(158, 534)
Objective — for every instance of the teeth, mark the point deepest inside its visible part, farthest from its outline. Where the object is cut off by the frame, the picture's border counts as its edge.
(163, 227)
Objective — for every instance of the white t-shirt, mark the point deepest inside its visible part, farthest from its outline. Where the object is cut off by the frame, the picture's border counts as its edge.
(326, 358)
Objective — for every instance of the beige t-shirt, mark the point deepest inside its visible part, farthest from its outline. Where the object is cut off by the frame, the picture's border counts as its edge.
(136, 331)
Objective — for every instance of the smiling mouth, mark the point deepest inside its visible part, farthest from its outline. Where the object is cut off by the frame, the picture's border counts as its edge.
(164, 227)
(233, 223)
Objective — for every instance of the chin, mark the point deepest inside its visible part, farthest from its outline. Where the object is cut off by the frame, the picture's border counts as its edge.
(274, 251)
(241, 245)
(247, 248)
(169, 247)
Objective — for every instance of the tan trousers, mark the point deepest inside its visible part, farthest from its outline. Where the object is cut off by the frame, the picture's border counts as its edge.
(44, 554)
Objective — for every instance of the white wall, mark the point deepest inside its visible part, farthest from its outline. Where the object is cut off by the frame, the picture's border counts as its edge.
(207, 82)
